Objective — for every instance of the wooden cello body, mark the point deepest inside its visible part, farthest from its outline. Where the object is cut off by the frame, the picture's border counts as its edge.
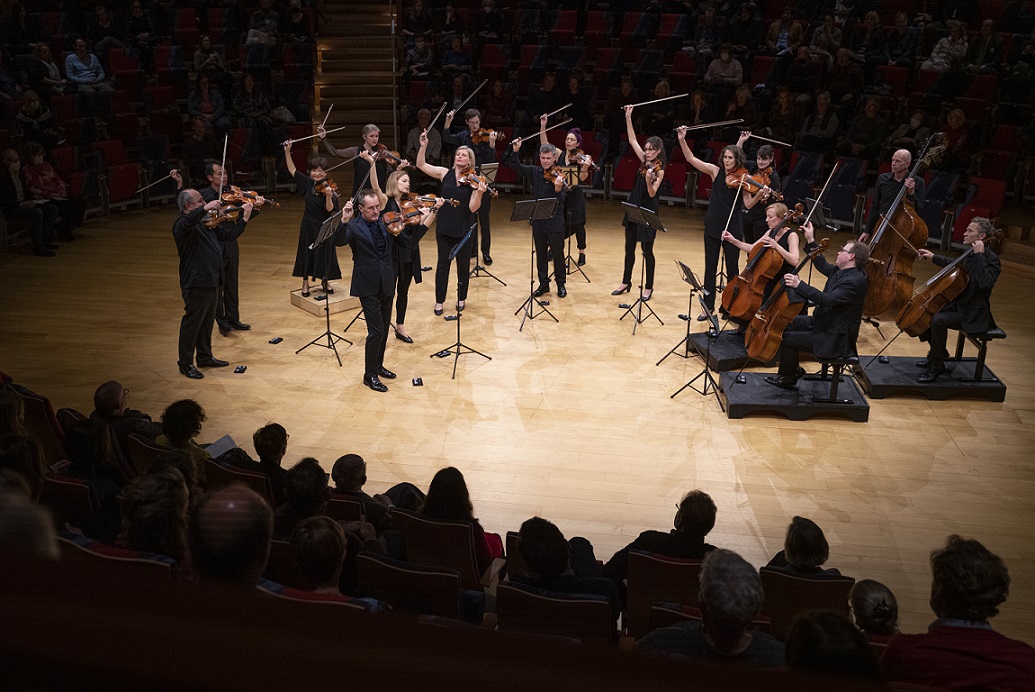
(916, 315)
(745, 293)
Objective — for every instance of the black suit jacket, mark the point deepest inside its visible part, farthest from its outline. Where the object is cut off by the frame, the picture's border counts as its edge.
(839, 308)
(201, 248)
(9, 194)
(230, 249)
(983, 269)
(373, 272)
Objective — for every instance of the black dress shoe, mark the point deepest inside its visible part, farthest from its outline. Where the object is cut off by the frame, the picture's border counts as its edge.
(645, 298)
(240, 326)
(330, 291)
(306, 294)
(486, 259)
(702, 318)
(935, 369)
(923, 363)
(374, 383)
(620, 291)
(386, 373)
(542, 290)
(782, 381)
(225, 330)
(403, 338)
(191, 372)
(582, 259)
(562, 292)
(213, 363)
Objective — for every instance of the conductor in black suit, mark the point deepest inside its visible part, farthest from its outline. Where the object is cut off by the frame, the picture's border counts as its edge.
(832, 330)
(201, 261)
(373, 277)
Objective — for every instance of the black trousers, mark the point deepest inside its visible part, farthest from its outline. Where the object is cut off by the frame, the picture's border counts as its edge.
(377, 311)
(938, 334)
(483, 226)
(463, 268)
(199, 314)
(402, 291)
(797, 337)
(631, 233)
(40, 219)
(579, 231)
(228, 306)
(549, 244)
(711, 265)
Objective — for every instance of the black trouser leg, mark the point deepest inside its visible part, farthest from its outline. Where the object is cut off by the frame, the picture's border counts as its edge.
(648, 263)
(797, 337)
(483, 223)
(630, 253)
(445, 244)
(199, 310)
(402, 291)
(580, 235)
(939, 333)
(228, 308)
(711, 266)
(542, 261)
(555, 239)
(377, 311)
(463, 270)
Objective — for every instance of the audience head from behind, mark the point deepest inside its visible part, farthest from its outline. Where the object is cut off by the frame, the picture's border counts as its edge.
(182, 420)
(25, 527)
(826, 643)
(305, 487)
(874, 608)
(543, 548)
(349, 473)
(155, 514)
(730, 598)
(12, 413)
(270, 443)
(109, 401)
(87, 445)
(448, 497)
(23, 455)
(805, 546)
(178, 460)
(968, 581)
(230, 533)
(319, 544)
(695, 515)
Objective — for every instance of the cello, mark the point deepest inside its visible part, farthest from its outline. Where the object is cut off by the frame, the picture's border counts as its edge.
(765, 332)
(745, 292)
(894, 244)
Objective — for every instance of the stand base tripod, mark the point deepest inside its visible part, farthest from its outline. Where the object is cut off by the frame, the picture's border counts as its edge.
(458, 348)
(331, 337)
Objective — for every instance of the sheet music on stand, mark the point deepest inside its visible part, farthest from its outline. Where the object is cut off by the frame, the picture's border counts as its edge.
(571, 175)
(644, 217)
(327, 229)
(489, 171)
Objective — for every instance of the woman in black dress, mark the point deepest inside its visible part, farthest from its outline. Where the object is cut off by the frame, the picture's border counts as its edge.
(322, 262)
(780, 237)
(453, 222)
(644, 194)
(574, 200)
(371, 144)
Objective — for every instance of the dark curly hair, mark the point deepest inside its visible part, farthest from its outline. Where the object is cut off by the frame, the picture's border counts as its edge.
(182, 420)
(968, 580)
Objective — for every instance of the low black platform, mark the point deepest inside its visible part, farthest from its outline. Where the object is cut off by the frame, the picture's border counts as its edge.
(898, 376)
(727, 350)
(758, 396)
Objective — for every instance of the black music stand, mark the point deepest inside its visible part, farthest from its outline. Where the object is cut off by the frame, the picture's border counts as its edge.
(327, 230)
(533, 210)
(571, 177)
(458, 348)
(645, 217)
(488, 170)
(695, 287)
(709, 380)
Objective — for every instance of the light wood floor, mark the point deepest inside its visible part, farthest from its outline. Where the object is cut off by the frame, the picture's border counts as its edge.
(571, 421)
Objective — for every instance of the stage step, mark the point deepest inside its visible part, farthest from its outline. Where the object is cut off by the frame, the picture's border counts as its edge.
(339, 301)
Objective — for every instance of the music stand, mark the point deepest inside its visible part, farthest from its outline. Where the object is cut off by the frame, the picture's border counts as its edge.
(488, 170)
(533, 210)
(645, 217)
(327, 230)
(695, 287)
(458, 348)
(571, 177)
(709, 380)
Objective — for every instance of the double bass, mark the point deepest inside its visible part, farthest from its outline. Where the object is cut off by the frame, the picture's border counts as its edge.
(765, 332)
(744, 293)
(894, 245)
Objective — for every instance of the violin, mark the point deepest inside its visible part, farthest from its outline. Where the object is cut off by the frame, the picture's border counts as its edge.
(427, 200)
(324, 185)
(751, 183)
(235, 195)
(551, 174)
(469, 177)
(395, 221)
(481, 136)
(383, 152)
(583, 159)
(221, 215)
(656, 166)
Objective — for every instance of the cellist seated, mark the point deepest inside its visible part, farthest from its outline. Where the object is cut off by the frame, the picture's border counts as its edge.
(970, 310)
(831, 332)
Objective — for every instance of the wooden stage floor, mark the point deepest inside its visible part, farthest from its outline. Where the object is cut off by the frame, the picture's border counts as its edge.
(570, 421)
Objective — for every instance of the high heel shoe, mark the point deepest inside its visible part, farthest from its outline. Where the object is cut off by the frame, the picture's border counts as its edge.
(460, 305)
(305, 294)
(438, 310)
(619, 291)
(646, 294)
(403, 337)
(582, 259)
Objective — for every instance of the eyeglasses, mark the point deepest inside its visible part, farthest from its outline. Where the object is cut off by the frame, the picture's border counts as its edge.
(125, 393)
(847, 251)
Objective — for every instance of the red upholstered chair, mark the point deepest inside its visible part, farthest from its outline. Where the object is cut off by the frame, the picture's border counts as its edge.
(343, 510)
(69, 499)
(668, 614)
(98, 563)
(282, 567)
(410, 588)
(787, 595)
(448, 544)
(42, 423)
(654, 578)
(221, 474)
(525, 609)
(142, 451)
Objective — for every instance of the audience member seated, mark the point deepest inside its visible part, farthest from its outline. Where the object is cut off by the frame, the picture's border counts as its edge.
(827, 644)
(296, 29)
(88, 450)
(83, 69)
(25, 527)
(960, 650)
(9, 89)
(103, 34)
(263, 24)
(349, 474)
(43, 75)
(207, 103)
(12, 412)
(800, 77)
(319, 546)
(901, 44)
(37, 122)
(659, 118)
(743, 33)
(455, 60)
(695, 517)
(874, 609)
(730, 598)
(22, 454)
(1025, 52)
(155, 512)
(270, 442)
(448, 499)
(490, 23)
(957, 145)
(181, 462)
(614, 118)
(110, 407)
(725, 73)
(785, 35)
(45, 184)
(208, 62)
(784, 117)
(18, 204)
(305, 494)
(949, 52)
(434, 151)
(198, 150)
(452, 25)
(869, 43)
(805, 549)
(417, 23)
(741, 107)
(706, 38)
(844, 81)
(181, 423)
(865, 133)
(826, 39)
(252, 109)
(141, 36)
(819, 129)
(985, 51)
(548, 98)
(420, 60)
(580, 112)
(910, 135)
(20, 31)
(230, 533)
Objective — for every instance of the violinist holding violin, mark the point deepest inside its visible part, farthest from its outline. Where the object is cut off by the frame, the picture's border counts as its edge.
(483, 143)
(321, 201)
(387, 161)
(574, 200)
(755, 225)
(453, 222)
(546, 181)
(970, 311)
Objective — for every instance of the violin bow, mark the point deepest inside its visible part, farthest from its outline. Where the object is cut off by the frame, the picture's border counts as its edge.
(302, 139)
(667, 98)
(819, 197)
(464, 102)
(551, 113)
(156, 182)
(324, 123)
(722, 246)
(721, 123)
(226, 139)
(563, 122)
(752, 135)
(435, 119)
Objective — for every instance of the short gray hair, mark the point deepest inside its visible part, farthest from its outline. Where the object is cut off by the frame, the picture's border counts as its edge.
(184, 198)
(731, 589)
(984, 225)
(549, 149)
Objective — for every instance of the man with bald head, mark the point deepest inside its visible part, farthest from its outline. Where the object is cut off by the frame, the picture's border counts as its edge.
(887, 189)
(230, 533)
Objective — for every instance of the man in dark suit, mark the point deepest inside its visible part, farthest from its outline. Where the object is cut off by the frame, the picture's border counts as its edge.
(373, 278)
(201, 261)
(970, 311)
(832, 330)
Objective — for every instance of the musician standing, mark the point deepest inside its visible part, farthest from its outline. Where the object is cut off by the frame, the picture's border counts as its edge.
(832, 330)
(485, 152)
(970, 311)
(755, 223)
(888, 186)
(545, 232)
(575, 200)
(371, 144)
(321, 202)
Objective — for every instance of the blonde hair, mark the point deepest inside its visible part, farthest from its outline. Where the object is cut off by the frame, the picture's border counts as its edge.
(470, 154)
(392, 186)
